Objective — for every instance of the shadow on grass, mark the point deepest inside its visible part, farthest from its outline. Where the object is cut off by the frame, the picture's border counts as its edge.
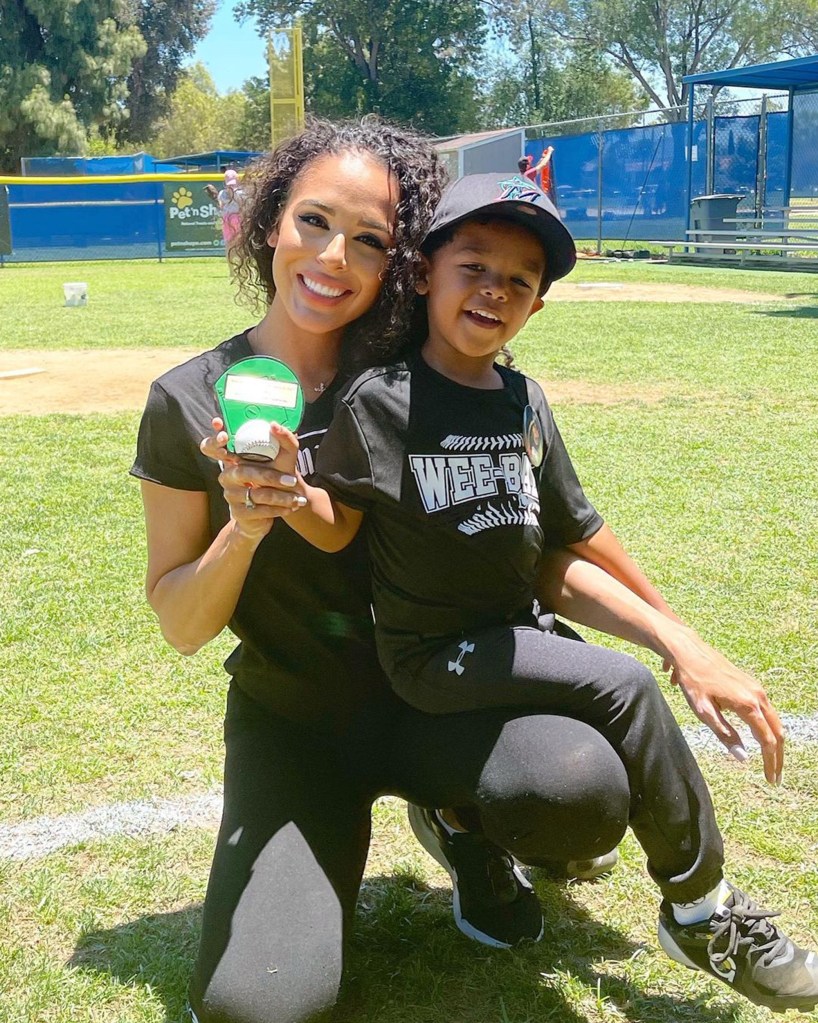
(804, 312)
(407, 963)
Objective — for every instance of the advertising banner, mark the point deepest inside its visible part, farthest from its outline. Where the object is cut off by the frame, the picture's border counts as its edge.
(192, 219)
(5, 222)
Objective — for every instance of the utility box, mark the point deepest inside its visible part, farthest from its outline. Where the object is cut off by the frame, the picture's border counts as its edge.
(714, 213)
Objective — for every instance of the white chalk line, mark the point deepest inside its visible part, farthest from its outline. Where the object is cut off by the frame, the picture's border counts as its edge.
(41, 836)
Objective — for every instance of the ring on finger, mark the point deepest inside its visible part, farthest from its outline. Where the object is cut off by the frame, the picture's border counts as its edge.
(248, 499)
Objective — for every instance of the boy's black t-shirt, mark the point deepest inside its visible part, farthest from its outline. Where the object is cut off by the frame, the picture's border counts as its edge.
(457, 517)
(304, 617)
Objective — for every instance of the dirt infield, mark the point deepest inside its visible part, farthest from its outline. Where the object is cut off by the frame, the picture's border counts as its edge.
(117, 379)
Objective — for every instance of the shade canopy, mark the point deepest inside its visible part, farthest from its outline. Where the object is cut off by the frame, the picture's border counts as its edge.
(796, 75)
(216, 158)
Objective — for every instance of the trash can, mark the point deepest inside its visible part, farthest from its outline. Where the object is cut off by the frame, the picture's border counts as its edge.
(709, 213)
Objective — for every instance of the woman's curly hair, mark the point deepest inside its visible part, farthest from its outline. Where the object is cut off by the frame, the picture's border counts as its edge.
(384, 330)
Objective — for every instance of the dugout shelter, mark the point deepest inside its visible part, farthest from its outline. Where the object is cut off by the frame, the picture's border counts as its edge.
(799, 79)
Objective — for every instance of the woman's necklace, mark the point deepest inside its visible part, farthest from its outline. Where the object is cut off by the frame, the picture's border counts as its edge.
(253, 338)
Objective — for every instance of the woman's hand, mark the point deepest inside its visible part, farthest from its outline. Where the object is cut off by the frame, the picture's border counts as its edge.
(257, 492)
(586, 593)
(712, 685)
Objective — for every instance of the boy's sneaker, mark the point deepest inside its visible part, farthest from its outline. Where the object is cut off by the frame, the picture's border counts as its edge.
(580, 870)
(742, 947)
(493, 901)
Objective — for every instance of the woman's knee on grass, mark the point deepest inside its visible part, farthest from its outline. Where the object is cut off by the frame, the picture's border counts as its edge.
(308, 998)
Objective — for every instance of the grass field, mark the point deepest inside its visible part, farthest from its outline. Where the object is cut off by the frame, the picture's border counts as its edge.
(700, 452)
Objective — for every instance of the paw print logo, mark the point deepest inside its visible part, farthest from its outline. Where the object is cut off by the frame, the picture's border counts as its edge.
(182, 198)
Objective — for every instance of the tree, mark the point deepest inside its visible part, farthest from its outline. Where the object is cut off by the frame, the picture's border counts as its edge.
(254, 131)
(171, 29)
(555, 81)
(658, 42)
(63, 71)
(199, 119)
(569, 85)
(409, 61)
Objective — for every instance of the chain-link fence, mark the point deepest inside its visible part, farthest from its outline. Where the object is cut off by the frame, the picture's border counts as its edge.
(621, 178)
(624, 177)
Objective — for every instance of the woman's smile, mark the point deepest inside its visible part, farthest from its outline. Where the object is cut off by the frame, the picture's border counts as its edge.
(316, 287)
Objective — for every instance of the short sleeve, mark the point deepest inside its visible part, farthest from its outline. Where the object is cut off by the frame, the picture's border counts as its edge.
(164, 449)
(566, 514)
(344, 466)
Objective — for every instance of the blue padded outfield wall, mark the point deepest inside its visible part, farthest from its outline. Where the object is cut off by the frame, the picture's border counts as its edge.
(65, 166)
(112, 220)
(643, 175)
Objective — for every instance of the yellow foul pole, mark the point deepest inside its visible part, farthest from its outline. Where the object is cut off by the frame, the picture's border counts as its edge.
(286, 63)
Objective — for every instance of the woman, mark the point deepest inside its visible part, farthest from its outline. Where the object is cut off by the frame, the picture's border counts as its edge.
(313, 734)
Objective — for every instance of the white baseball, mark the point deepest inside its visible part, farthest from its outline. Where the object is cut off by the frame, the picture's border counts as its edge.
(253, 438)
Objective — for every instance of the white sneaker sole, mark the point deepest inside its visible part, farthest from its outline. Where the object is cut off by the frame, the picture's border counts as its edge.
(670, 948)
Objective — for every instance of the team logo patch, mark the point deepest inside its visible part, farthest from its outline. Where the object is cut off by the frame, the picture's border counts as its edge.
(518, 188)
(533, 436)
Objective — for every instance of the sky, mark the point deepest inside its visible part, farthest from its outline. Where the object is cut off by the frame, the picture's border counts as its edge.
(231, 52)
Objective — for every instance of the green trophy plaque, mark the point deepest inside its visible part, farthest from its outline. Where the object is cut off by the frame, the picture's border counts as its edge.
(252, 394)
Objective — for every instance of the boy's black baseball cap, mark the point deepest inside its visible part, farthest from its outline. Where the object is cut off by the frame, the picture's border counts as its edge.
(514, 198)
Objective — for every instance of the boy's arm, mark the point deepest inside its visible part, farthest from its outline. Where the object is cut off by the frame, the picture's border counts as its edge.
(588, 595)
(324, 522)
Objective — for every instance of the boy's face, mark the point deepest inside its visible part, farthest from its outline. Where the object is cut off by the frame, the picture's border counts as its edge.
(482, 287)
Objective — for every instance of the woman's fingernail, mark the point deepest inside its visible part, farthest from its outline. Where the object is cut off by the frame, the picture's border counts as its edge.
(739, 752)
(288, 481)
(300, 502)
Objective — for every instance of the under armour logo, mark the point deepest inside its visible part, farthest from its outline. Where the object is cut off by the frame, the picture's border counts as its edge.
(465, 648)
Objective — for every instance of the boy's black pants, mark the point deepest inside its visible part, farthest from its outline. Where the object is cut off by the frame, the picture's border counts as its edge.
(534, 668)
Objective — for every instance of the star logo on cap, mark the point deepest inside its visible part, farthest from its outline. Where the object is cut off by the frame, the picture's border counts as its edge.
(518, 188)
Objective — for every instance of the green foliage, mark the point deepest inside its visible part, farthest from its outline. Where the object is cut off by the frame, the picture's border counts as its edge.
(63, 70)
(253, 129)
(199, 118)
(171, 29)
(411, 62)
(660, 42)
(562, 86)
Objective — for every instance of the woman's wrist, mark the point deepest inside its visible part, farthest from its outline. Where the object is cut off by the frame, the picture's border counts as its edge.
(674, 638)
(240, 542)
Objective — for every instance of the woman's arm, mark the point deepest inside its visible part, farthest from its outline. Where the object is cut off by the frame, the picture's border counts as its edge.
(588, 595)
(193, 580)
(605, 550)
(192, 584)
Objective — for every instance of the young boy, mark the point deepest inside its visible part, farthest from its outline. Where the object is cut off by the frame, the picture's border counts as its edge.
(464, 480)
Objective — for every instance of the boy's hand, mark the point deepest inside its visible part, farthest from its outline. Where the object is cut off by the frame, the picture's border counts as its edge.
(712, 685)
